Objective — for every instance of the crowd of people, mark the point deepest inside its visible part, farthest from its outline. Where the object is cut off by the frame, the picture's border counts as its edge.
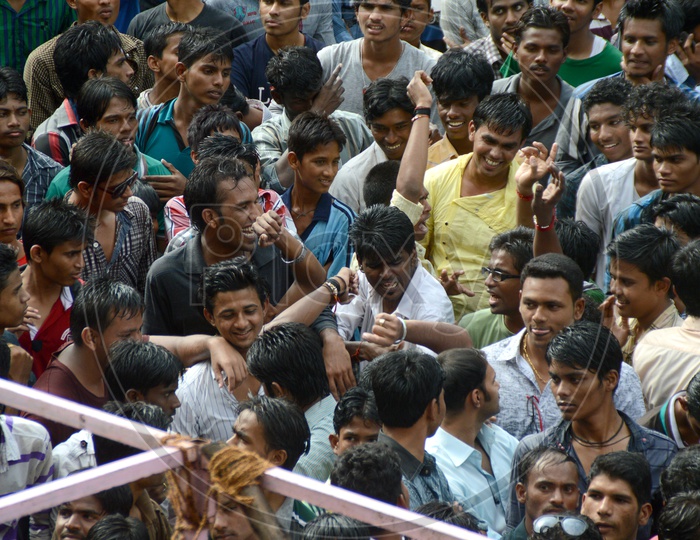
(460, 281)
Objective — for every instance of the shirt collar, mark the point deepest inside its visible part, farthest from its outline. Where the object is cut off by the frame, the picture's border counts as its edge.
(323, 208)
(410, 465)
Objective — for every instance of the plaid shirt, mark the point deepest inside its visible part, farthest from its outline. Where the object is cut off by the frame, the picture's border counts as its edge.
(37, 175)
(134, 250)
(45, 90)
(56, 135)
(490, 51)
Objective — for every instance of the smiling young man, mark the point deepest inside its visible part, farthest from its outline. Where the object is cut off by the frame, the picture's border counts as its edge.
(541, 40)
(550, 300)
(585, 361)
(618, 499)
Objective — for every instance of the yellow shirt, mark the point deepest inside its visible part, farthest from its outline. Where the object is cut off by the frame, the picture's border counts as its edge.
(461, 228)
(440, 152)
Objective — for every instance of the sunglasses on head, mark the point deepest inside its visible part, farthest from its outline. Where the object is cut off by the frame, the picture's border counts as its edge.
(119, 190)
(571, 525)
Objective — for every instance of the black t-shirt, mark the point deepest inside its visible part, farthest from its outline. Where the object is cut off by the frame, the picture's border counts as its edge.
(211, 17)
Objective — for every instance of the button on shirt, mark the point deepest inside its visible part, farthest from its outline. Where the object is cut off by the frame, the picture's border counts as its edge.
(483, 494)
(423, 479)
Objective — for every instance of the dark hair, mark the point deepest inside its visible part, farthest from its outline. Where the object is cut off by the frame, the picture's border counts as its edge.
(49, 224)
(295, 71)
(371, 469)
(505, 114)
(219, 145)
(156, 40)
(591, 310)
(517, 243)
(292, 356)
(465, 371)
(692, 395)
(543, 17)
(382, 231)
(97, 156)
(404, 5)
(116, 527)
(483, 5)
(404, 384)
(613, 90)
(334, 526)
(99, 302)
(9, 174)
(11, 82)
(231, 275)
(459, 74)
(284, 426)
(8, 264)
(235, 100)
(586, 345)
(355, 403)
(310, 130)
(540, 456)
(81, 48)
(116, 500)
(380, 183)
(677, 132)
(446, 511)
(383, 95)
(682, 473)
(668, 12)
(107, 450)
(5, 359)
(553, 266)
(202, 187)
(579, 243)
(648, 248)
(95, 96)
(556, 532)
(683, 211)
(208, 120)
(651, 100)
(691, 14)
(680, 518)
(201, 42)
(148, 194)
(685, 276)
(630, 467)
(140, 366)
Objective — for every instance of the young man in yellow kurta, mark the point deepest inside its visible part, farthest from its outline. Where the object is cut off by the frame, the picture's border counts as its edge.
(473, 197)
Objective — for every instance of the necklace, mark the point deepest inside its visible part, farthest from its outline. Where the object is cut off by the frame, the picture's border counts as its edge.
(595, 444)
(527, 357)
(302, 214)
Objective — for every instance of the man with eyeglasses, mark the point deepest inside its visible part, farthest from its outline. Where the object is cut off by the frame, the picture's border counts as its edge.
(101, 176)
(550, 300)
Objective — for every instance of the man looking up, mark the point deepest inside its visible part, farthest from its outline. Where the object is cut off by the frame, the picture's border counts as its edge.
(551, 299)
(618, 498)
(584, 362)
(474, 457)
(541, 40)
(547, 483)
(280, 21)
(296, 80)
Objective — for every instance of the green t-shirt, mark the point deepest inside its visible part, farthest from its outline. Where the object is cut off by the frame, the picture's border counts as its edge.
(485, 328)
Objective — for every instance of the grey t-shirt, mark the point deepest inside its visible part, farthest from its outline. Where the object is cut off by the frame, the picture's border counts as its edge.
(354, 78)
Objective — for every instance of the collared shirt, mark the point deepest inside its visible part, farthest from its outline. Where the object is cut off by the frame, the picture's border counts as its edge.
(318, 462)
(440, 152)
(25, 461)
(667, 359)
(349, 183)
(45, 89)
(668, 318)
(458, 14)
(37, 175)
(424, 300)
(638, 212)
(134, 249)
(483, 216)
(490, 51)
(58, 133)
(270, 139)
(526, 410)
(327, 234)
(206, 410)
(74, 454)
(36, 22)
(478, 491)
(424, 480)
(546, 131)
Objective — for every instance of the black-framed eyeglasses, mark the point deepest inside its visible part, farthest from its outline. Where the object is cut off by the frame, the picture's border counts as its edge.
(119, 190)
(571, 525)
(497, 275)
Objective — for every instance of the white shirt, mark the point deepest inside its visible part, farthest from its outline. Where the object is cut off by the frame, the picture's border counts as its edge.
(349, 183)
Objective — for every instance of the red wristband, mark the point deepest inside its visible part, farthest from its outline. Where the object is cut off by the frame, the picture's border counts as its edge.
(524, 197)
(547, 227)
